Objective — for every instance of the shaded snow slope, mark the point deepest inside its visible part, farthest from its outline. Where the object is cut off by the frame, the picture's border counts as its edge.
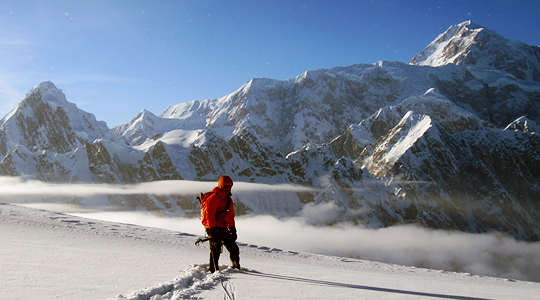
(47, 255)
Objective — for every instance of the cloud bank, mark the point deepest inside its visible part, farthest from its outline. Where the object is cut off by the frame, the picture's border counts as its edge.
(16, 186)
(491, 254)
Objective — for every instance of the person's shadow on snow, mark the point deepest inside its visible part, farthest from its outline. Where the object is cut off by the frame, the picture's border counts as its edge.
(355, 286)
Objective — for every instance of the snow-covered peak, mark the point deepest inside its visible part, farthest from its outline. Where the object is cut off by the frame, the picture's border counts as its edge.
(45, 120)
(450, 46)
(183, 110)
(470, 44)
(144, 118)
(50, 94)
(147, 127)
(313, 75)
(47, 92)
(146, 113)
(47, 87)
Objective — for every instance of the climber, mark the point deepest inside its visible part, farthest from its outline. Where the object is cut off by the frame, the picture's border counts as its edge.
(217, 216)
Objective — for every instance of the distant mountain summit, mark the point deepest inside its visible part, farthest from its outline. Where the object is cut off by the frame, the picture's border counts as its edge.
(470, 44)
(447, 141)
(45, 120)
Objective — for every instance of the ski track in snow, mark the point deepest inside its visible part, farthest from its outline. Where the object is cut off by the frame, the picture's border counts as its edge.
(192, 282)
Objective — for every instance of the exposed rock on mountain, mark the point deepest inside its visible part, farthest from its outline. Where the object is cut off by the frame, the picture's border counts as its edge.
(447, 141)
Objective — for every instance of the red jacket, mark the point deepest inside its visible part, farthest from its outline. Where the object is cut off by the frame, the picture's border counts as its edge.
(214, 210)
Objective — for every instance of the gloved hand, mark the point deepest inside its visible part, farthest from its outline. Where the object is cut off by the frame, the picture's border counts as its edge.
(232, 230)
(212, 233)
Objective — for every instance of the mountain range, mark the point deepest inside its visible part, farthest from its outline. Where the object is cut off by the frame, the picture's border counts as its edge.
(447, 141)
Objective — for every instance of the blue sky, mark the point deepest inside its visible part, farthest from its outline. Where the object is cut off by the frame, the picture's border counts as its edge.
(115, 58)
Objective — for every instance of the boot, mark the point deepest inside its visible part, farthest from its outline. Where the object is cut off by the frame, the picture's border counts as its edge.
(235, 264)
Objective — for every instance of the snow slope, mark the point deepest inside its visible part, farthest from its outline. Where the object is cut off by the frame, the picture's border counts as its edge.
(48, 255)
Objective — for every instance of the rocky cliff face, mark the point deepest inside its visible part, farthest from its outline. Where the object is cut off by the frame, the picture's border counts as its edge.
(447, 141)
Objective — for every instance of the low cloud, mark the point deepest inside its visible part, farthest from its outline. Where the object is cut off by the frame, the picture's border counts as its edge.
(16, 186)
(327, 213)
(491, 254)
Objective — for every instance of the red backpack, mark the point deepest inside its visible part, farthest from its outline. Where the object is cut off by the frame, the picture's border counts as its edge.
(203, 201)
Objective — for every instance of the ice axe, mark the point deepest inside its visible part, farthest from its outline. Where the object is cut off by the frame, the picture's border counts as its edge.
(201, 240)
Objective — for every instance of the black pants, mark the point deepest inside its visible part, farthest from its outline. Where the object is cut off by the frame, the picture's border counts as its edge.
(224, 238)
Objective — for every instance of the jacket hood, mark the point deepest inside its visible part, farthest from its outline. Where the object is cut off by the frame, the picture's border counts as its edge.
(224, 180)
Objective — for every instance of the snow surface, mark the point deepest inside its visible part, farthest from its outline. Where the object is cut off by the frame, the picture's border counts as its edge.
(48, 255)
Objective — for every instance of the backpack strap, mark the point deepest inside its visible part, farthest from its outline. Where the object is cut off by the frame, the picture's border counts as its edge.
(229, 200)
